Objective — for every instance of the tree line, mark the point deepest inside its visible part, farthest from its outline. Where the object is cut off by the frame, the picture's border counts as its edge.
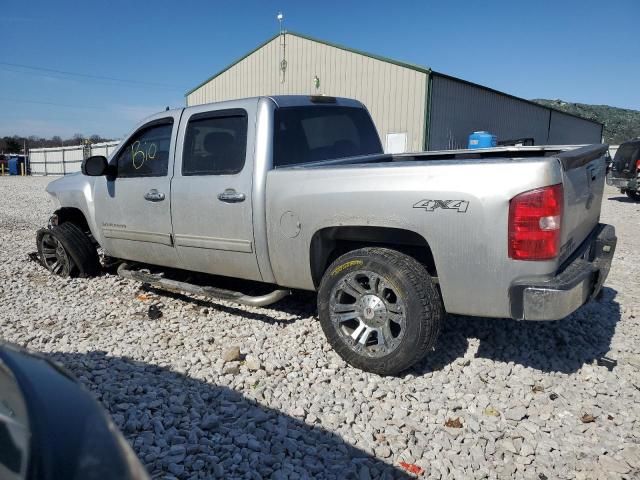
(17, 143)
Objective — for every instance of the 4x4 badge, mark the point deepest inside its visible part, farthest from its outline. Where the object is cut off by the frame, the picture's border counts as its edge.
(431, 205)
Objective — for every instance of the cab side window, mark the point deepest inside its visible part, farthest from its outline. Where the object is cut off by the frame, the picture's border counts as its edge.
(146, 154)
(215, 143)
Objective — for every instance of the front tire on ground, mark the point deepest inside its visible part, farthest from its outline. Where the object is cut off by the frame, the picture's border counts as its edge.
(633, 195)
(67, 251)
(379, 309)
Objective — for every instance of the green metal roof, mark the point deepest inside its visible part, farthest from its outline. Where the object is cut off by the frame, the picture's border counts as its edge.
(412, 66)
(417, 68)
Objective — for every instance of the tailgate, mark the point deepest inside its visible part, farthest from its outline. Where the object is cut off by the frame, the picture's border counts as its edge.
(584, 171)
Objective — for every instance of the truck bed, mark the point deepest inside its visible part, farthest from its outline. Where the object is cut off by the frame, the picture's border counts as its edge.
(505, 153)
(470, 246)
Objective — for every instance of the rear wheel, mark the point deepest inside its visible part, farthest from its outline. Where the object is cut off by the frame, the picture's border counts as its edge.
(633, 195)
(379, 310)
(67, 251)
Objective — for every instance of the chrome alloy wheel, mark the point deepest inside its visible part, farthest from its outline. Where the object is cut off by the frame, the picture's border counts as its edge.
(54, 255)
(368, 313)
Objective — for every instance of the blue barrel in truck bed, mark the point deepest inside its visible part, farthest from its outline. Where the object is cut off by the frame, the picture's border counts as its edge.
(482, 140)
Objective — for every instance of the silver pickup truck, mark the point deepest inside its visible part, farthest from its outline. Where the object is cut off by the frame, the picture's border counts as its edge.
(295, 192)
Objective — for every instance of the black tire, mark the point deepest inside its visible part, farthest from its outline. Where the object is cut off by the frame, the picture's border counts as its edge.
(75, 253)
(633, 195)
(401, 284)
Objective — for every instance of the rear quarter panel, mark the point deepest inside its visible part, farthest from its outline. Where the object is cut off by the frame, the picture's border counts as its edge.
(469, 248)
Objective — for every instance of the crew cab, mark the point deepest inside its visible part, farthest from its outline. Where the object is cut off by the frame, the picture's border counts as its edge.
(295, 192)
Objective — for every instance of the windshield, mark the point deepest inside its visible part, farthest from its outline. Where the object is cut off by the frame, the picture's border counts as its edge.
(309, 134)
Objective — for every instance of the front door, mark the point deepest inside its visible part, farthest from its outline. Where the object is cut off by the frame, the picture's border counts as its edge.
(211, 190)
(133, 206)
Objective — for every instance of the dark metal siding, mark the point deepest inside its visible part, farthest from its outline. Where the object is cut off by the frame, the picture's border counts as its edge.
(459, 108)
(566, 129)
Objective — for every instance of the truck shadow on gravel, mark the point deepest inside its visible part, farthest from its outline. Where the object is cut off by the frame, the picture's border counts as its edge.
(299, 305)
(559, 346)
(623, 200)
(186, 428)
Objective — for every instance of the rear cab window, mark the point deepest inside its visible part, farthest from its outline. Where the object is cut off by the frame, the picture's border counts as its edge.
(215, 143)
(314, 133)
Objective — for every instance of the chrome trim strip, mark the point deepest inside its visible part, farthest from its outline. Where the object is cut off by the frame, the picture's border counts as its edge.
(137, 236)
(227, 244)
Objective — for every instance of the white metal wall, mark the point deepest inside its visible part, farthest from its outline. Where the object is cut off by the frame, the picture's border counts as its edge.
(64, 160)
(394, 94)
(105, 149)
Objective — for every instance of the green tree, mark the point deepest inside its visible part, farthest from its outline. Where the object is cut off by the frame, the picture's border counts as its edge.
(12, 145)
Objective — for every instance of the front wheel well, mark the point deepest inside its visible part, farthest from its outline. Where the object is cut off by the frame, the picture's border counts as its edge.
(329, 243)
(73, 215)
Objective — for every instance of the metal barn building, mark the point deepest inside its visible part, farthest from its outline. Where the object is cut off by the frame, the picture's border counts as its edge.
(414, 108)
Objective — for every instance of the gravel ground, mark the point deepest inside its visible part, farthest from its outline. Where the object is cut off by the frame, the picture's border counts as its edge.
(290, 408)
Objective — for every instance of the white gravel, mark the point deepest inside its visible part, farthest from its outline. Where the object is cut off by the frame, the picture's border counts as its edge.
(290, 408)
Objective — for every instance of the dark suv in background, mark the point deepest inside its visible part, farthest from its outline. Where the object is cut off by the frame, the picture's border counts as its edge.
(624, 172)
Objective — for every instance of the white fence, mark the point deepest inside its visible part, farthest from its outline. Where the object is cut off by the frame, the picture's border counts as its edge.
(64, 160)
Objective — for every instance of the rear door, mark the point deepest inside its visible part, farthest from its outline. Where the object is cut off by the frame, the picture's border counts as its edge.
(211, 191)
(133, 209)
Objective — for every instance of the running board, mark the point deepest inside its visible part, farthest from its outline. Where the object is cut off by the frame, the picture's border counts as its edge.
(211, 292)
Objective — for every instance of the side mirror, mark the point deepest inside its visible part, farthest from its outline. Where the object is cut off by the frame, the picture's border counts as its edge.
(95, 166)
(52, 427)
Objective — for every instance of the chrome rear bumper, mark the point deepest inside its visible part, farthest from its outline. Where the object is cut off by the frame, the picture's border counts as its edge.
(578, 282)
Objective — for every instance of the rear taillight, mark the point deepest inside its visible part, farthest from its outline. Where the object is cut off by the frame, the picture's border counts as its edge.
(535, 218)
(638, 164)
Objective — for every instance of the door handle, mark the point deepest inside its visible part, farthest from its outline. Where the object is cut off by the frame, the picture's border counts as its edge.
(154, 195)
(231, 196)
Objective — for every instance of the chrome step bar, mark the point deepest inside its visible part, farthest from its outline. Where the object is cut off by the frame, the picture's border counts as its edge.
(211, 292)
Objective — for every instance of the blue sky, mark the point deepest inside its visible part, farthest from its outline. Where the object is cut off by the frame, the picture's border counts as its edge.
(581, 51)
